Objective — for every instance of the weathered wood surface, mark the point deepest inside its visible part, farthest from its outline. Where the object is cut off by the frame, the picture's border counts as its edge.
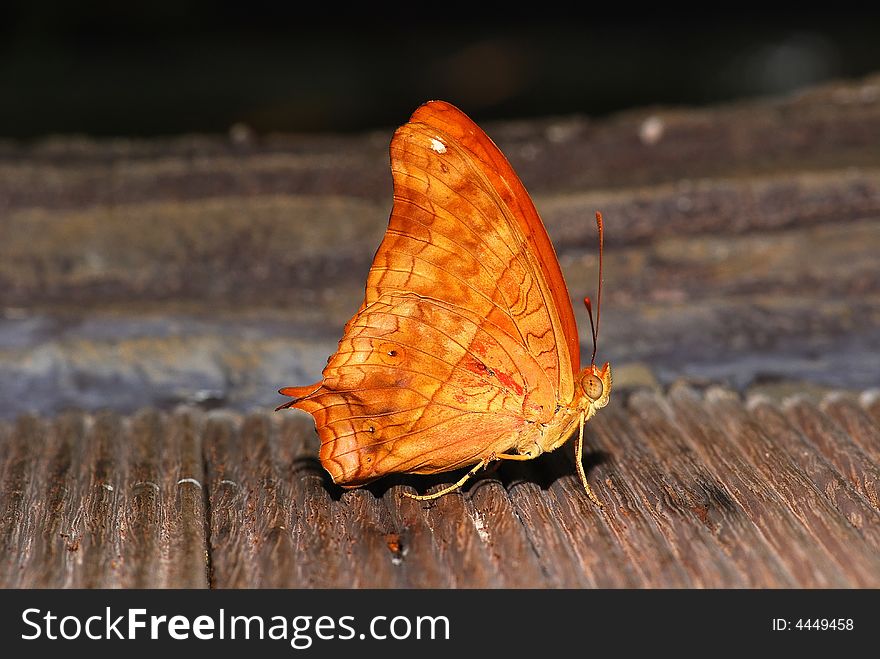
(742, 249)
(701, 489)
(145, 283)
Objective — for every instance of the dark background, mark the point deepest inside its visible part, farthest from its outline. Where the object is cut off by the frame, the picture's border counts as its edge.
(177, 66)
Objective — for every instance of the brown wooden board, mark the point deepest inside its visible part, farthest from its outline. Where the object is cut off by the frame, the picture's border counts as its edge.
(700, 490)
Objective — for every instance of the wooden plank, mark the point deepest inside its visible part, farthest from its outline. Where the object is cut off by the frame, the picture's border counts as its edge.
(91, 513)
(698, 559)
(226, 497)
(559, 564)
(420, 559)
(103, 505)
(374, 543)
(504, 538)
(855, 420)
(266, 514)
(809, 468)
(802, 496)
(252, 524)
(457, 539)
(576, 529)
(852, 413)
(697, 497)
(808, 561)
(188, 565)
(620, 532)
(698, 491)
(22, 442)
(318, 534)
(144, 505)
(161, 535)
(847, 460)
(55, 545)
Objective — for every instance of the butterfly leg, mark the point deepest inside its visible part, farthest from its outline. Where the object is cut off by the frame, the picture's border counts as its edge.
(528, 455)
(453, 487)
(579, 464)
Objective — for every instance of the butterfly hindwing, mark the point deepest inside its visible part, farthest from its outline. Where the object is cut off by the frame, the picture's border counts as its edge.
(418, 386)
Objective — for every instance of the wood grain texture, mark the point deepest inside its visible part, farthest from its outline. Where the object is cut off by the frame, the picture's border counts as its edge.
(701, 490)
(104, 501)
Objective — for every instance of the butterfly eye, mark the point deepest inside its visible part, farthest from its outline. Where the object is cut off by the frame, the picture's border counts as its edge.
(593, 386)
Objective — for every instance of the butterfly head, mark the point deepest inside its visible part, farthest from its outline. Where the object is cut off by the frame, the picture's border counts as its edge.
(594, 381)
(596, 385)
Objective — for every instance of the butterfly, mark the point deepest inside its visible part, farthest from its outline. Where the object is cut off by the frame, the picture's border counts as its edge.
(465, 349)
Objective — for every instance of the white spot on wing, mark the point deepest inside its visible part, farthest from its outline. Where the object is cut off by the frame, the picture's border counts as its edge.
(437, 145)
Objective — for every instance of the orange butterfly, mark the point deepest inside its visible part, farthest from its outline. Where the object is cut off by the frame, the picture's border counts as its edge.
(465, 349)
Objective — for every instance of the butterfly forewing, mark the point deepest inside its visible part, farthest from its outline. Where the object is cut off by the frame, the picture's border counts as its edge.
(464, 229)
(489, 163)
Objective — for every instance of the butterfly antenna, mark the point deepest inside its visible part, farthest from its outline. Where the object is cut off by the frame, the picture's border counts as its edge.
(594, 327)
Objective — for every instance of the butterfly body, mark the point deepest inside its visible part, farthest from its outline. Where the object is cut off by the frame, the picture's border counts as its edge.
(465, 348)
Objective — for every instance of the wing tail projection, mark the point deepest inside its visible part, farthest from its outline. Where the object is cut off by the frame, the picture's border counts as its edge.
(297, 394)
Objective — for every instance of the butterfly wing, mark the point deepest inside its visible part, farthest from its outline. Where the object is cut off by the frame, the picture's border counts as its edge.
(466, 333)
(417, 386)
(517, 211)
